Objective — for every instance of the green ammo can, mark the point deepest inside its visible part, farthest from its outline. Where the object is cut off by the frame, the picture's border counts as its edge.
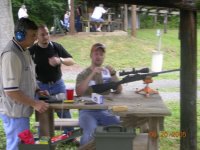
(114, 138)
(35, 147)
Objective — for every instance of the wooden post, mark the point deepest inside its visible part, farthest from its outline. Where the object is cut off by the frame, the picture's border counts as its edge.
(165, 22)
(46, 120)
(134, 21)
(155, 20)
(72, 21)
(125, 17)
(188, 36)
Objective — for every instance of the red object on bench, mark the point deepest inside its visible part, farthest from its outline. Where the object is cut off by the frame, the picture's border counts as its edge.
(59, 137)
(26, 137)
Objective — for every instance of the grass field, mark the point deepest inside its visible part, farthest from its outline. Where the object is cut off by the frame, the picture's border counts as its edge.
(169, 140)
(124, 52)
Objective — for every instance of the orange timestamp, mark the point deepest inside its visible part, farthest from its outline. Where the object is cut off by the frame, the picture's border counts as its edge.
(167, 134)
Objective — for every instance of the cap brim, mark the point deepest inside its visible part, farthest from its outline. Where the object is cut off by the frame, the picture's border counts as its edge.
(102, 47)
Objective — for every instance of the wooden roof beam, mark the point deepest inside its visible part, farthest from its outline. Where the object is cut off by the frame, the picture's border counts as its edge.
(180, 4)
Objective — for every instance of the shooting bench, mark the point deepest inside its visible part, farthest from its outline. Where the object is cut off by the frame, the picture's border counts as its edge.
(106, 25)
(139, 110)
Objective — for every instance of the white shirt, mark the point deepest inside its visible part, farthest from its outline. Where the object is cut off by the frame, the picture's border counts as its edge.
(22, 13)
(98, 12)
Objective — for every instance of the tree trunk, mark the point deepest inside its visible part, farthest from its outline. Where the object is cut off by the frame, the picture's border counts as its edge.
(72, 21)
(133, 20)
(125, 17)
(7, 24)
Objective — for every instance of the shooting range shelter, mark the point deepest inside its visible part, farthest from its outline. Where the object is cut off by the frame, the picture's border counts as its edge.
(188, 58)
(188, 74)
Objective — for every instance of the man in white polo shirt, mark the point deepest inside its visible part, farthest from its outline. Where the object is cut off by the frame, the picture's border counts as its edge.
(18, 85)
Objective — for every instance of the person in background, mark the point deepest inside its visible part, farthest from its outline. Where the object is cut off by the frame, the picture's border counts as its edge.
(18, 84)
(66, 19)
(78, 15)
(48, 57)
(22, 13)
(94, 74)
(97, 16)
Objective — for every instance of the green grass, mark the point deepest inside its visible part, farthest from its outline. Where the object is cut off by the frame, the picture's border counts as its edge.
(122, 51)
(172, 126)
(125, 52)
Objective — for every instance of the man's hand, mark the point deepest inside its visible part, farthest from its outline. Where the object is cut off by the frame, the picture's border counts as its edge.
(97, 70)
(112, 71)
(43, 93)
(41, 106)
(54, 61)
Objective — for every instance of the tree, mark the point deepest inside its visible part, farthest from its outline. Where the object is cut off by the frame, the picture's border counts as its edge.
(6, 25)
(42, 11)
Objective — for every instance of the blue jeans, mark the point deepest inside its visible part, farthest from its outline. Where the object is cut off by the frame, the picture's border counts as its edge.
(12, 127)
(57, 87)
(90, 119)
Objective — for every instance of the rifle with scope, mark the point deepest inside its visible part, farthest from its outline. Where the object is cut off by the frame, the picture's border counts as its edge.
(137, 75)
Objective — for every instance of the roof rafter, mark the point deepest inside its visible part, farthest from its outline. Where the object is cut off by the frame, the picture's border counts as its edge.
(157, 10)
(180, 4)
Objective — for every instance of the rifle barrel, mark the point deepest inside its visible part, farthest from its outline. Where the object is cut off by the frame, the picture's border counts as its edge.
(161, 72)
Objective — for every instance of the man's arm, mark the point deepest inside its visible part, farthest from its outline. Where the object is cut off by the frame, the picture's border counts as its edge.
(84, 84)
(67, 61)
(114, 78)
(119, 87)
(11, 61)
(18, 96)
(65, 58)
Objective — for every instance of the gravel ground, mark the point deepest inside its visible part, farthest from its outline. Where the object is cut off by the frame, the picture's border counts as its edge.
(169, 89)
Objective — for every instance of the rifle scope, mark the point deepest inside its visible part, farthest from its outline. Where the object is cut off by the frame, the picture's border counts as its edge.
(134, 71)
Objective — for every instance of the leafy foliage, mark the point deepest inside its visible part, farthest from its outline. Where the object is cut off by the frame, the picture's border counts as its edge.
(41, 11)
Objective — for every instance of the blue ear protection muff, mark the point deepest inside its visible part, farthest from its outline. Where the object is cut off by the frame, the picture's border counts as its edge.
(20, 35)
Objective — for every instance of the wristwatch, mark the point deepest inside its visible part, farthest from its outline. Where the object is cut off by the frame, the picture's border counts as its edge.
(61, 60)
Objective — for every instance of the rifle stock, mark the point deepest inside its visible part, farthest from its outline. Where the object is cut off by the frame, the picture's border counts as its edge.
(100, 88)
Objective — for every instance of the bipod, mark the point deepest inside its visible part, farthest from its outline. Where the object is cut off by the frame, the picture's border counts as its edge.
(147, 91)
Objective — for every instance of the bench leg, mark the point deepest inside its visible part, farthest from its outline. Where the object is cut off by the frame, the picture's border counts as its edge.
(153, 133)
(46, 123)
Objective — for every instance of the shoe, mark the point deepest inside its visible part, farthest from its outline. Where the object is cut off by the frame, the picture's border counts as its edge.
(98, 30)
